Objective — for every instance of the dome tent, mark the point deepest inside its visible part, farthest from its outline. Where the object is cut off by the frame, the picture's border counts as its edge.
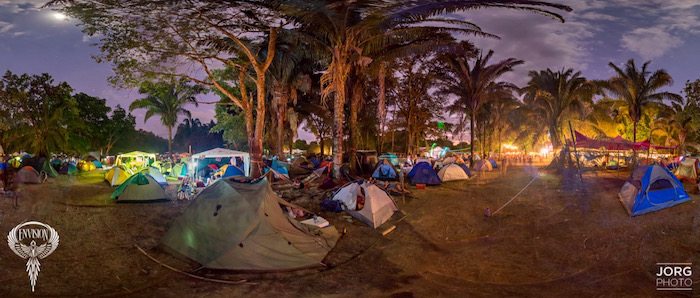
(651, 188)
(157, 175)
(452, 172)
(378, 207)
(241, 226)
(384, 171)
(139, 188)
(231, 171)
(28, 175)
(423, 173)
(116, 176)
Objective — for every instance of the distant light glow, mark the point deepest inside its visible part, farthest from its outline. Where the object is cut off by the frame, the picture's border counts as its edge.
(59, 16)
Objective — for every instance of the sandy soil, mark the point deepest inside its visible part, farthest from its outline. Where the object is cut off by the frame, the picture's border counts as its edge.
(560, 237)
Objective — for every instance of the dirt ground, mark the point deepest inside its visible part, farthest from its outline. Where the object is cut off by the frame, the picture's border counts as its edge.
(560, 237)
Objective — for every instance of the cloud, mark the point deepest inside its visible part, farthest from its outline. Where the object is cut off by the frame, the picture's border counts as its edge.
(5, 27)
(650, 42)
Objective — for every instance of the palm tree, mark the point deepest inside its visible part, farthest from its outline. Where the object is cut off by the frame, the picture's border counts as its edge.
(552, 97)
(167, 100)
(346, 32)
(682, 118)
(472, 83)
(637, 89)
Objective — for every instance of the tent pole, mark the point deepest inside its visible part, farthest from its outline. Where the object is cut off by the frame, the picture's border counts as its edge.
(578, 164)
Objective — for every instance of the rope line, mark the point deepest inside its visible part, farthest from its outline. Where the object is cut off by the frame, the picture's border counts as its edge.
(515, 196)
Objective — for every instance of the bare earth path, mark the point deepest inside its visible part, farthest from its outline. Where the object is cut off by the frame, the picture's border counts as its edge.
(560, 237)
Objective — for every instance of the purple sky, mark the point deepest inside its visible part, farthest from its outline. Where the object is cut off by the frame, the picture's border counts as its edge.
(33, 40)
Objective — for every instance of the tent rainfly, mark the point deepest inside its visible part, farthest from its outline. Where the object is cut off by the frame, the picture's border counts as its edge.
(224, 153)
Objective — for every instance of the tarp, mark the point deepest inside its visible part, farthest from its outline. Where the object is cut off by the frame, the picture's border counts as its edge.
(241, 226)
(224, 153)
(651, 188)
(139, 187)
(423, 173)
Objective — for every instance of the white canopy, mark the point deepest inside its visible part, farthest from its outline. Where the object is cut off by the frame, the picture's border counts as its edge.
(224, 153)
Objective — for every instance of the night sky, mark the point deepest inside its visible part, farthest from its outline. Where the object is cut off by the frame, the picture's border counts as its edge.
(34, 40)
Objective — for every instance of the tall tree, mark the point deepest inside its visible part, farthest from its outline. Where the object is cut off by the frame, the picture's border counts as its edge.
(637, 89)
(552, 97)
(189, 39)
(473, 83)
(119, 126)
(168, 101)
(347, 31)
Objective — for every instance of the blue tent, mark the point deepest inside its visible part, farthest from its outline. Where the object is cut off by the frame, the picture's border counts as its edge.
(97, 163)
(651, 188)
(233, 171)
(392, 158)
(465, 168)
(423, 173)
(385, 171)
(493, 163)
(280, 167)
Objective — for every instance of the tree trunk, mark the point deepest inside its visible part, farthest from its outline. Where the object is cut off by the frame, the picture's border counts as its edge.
(338, 117)
(471, 139)
(634, 140)
(355, 106)
(382, 104)
(280, 97)
(323, 143)
(170, 140)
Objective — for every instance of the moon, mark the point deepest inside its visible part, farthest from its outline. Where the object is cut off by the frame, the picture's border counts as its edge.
(59, 16)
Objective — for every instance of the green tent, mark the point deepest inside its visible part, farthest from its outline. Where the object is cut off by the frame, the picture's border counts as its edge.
(49, 170)
(241, 226)
(139, 187)
(179, 170)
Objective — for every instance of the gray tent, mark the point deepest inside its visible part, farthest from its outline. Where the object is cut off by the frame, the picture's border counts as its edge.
(139, 187)
(241, 226)
(28, 175)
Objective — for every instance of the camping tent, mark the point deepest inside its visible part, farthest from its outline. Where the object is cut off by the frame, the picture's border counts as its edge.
(241, 226)
(68, 168)
(157, 176)
(452, 172)
(423, 173)
(391, 157)
(116, 176)
(179, 170)
(86, 166)
(484, 165)
(494, 165)
(280, 167)
(651, 188)
(139, 188)
(687, 169)
(27, 175)
(385, 171)
(378, 205)
(220, 153)
(49, 170)
(465, 168)
(231, 171)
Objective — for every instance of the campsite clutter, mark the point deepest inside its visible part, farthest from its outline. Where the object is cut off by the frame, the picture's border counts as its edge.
(233, 222)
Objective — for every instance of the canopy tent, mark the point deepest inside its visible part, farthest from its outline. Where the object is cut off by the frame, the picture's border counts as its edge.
(452, 172)
(385, 171)
(135, 158)
(423, 173)
(116, 176)
(378, 207)
(220, 153)
(241, 226)
(27, 175)
(616, 143)
(139, 188)
(651, 188)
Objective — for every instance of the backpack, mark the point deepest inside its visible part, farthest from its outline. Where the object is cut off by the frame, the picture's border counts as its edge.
(332, 205)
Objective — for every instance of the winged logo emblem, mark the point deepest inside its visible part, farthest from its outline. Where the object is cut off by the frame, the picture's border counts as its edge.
(32, 251)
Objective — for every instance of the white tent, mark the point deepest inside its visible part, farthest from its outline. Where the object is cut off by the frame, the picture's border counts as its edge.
(378, 208)
(157, 176)
(452, 172)
(224, 153)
